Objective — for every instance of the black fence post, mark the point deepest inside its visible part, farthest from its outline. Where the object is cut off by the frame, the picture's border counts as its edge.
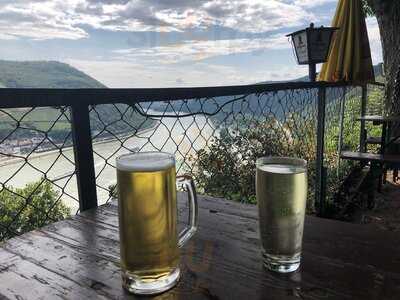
(83, 152)
(363, 135)
(320, 173)
(341, 123)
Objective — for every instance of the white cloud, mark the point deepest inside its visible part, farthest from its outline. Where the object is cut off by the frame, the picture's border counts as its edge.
(241, 15)
(48, 19)
(7, 36)
(312, 3)
(39, 20)
(119, 74)
(42, 32)
(199, 50)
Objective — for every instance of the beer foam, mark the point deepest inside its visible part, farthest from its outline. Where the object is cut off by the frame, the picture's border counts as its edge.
(281, 169)
(145, 161)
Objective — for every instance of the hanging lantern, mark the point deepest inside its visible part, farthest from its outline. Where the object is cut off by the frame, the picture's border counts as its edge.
(312, 45)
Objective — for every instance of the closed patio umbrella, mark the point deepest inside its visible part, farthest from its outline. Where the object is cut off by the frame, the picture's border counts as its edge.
(349, 58)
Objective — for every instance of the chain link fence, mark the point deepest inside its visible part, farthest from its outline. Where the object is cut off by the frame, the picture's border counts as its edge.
(283, 119)
(216, 139)
(343, 130)
(37, 182)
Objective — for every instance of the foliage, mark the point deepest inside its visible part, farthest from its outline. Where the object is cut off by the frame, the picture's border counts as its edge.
(227, 167)
(24, 209)
(368, 10)
(112, 191)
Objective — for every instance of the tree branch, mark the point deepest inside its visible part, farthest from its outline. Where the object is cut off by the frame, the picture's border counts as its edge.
(368, 6)
(371, 7)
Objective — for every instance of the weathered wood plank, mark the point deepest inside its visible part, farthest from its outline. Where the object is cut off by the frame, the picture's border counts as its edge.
(375, 140)
(347, 251)
(362, 156)
(379, 119)
(341, 261)
(321, 248)
(22, 278)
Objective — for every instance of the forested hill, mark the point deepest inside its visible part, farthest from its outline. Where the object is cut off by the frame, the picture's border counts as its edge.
(52, 74)
(43, 74)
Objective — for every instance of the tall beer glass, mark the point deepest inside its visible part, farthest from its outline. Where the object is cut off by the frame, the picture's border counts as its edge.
(149, 242)
(281, 188)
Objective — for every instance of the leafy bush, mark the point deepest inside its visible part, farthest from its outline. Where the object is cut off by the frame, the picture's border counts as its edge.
(112, 191)
(227, 167)
(28, 208)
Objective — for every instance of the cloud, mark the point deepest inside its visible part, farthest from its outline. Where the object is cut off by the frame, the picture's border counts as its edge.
(38, 20)
(199, 50)
(256, 15)
(312, 3)
(7, 36)
(125, 74)
(49, 19)
(178, 15)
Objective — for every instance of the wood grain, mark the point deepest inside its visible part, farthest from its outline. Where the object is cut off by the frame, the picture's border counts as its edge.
(78, 258)
(379, 119)
(362, 156)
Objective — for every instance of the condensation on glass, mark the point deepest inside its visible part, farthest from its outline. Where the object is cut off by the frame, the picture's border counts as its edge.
(281, 188)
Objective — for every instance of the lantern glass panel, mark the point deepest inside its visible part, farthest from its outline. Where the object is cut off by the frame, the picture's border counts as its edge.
(300, 44)
(319, 42)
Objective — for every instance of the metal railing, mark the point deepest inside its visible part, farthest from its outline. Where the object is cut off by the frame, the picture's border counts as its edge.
(69, 138)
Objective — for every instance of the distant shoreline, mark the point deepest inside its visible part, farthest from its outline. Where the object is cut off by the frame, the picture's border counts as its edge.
(16, 160)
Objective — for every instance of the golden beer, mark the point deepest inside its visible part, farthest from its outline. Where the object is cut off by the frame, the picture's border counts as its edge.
(281, 188)
(148, 221)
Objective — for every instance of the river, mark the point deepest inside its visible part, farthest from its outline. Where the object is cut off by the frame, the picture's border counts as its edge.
(170, 135)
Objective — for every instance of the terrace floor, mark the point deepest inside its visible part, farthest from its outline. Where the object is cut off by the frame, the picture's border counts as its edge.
(386, 214)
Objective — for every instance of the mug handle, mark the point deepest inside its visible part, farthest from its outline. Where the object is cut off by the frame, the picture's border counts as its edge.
(190, 230)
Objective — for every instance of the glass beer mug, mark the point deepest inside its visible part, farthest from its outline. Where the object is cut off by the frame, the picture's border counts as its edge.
(149, 241)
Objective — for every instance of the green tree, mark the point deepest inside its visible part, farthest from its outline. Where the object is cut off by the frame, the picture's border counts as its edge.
(227, 168)
(28, 208)
(387, 13)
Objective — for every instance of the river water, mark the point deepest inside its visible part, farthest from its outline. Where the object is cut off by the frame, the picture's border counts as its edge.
(182, 136)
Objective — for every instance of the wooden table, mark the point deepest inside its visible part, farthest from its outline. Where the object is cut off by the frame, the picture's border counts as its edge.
(78, 259)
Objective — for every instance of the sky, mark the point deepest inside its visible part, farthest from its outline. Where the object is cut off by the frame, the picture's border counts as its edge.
(166, 43)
